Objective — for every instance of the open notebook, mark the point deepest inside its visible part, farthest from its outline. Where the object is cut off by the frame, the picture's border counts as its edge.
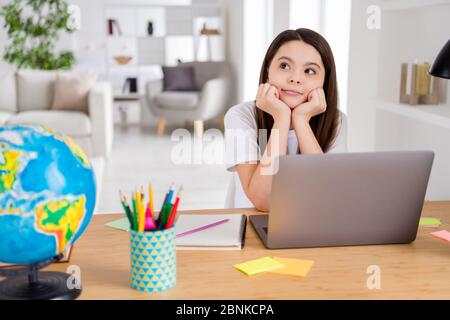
(225, 236)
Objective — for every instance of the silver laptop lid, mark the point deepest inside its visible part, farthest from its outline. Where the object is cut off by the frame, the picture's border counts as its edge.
(348, 198)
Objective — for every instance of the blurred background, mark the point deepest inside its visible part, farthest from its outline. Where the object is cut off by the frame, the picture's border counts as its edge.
(133, 46)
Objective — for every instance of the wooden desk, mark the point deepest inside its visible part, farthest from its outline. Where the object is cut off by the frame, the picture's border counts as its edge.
(420, 270)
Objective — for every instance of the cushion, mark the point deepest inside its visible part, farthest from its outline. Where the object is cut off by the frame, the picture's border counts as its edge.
(179, 79)
(8, 100)
(177, 100)
(207, 70)
(35, 89)
(70, 123)
(4, 116)
(72, 91)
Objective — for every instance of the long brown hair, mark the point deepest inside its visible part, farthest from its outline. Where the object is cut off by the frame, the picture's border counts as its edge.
(323, 125)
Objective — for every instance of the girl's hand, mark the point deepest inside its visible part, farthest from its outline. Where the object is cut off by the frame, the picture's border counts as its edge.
(315, 104)
(267, 99)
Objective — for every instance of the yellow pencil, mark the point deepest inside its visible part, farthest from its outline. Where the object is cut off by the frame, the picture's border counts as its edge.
(150, 197)
(141, 222)
(138, 215)
(142, 212)
(142, 205)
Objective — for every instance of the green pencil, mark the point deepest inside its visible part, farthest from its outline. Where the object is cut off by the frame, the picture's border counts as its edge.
(135, 213)
(165, 214)
(127, 210)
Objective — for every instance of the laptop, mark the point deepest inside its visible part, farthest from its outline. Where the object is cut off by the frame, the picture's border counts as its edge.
(345, 199)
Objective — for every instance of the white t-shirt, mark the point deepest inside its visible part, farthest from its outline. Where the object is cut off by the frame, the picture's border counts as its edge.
(242, 145)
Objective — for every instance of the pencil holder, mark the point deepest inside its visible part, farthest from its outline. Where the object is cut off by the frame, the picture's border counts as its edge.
(153, 260)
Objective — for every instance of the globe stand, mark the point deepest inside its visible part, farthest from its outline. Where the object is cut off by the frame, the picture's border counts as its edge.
(27, 283)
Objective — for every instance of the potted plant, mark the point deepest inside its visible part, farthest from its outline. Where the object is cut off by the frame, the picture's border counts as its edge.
(33, 28)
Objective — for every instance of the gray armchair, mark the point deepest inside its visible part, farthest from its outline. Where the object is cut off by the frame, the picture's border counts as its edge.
(198, 106)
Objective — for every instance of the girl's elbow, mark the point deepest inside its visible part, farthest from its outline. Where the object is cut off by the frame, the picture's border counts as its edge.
(263, 208)
(261, 204)
(258, 198)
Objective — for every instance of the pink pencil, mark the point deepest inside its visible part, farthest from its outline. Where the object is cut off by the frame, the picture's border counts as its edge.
(201, 228)
(149, 222)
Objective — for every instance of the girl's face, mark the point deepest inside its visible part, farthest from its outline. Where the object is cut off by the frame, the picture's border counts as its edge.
(295, 70)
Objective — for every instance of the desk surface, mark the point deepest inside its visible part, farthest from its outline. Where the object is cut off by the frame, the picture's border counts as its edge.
(420, 270)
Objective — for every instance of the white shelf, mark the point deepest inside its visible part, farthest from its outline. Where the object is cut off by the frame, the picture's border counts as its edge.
(120, 37)
(122, 66)
(438, 115)
(173, 26)
(176, 35)
(151, 37)
(393, 5)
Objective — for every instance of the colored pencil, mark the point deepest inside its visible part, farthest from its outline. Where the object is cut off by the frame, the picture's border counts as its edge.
(174, 209)
(141, 215)
(162, 207)
(150, 196)
(171, 191)
(161, 212)
(149, 222)
(125, 206)
(142, 212)
(135, 215)
(201, 228)
(172, 214)
(165, 215)
(141, 221)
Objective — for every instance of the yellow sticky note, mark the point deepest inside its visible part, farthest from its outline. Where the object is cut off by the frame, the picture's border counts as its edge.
(430, 222)
(295, 267)
(259, 265)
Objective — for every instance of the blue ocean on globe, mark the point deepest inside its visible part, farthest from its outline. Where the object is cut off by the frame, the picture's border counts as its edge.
(47, 193)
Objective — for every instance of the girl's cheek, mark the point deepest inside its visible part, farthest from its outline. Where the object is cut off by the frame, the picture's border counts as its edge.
(303, 99)
(274, 80)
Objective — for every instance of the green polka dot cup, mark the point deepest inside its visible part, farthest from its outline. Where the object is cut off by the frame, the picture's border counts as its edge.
(153, 260)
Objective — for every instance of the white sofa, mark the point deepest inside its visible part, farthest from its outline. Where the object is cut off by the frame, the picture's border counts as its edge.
(27, 96)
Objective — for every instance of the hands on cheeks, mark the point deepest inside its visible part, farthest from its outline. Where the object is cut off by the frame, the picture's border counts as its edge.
(314, 105)
(268, 100)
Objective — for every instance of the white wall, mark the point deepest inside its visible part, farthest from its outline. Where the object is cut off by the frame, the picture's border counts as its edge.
(306, 14)
(249, 32)
(408, 35)
(362, 78)
(257, 37)
(332, 20)
(281, 16)
(336, 29)
(234, 46)
(375, 57)
(265, 19)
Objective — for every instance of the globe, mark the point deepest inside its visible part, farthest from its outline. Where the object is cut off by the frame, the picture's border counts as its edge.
(47, 193)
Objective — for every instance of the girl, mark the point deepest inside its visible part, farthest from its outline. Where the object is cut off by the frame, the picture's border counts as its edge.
(296, 102)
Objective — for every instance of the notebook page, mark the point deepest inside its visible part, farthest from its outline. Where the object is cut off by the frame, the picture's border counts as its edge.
(226, 234)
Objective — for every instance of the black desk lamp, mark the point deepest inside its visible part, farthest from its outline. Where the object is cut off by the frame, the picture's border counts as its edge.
(441, 66)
